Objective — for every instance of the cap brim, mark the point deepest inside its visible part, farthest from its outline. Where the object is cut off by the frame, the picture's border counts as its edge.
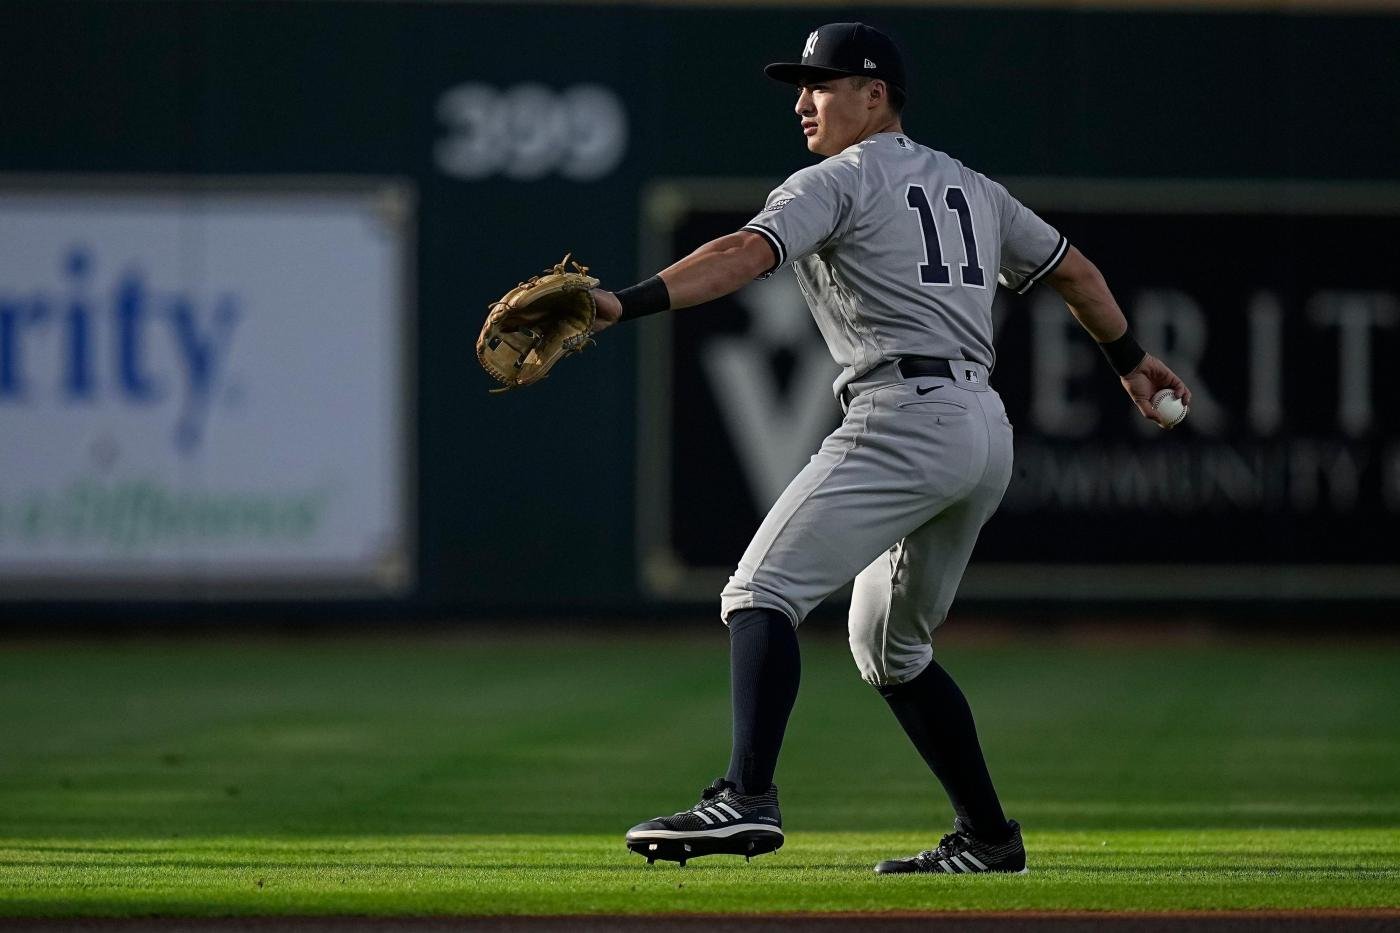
(798, 73)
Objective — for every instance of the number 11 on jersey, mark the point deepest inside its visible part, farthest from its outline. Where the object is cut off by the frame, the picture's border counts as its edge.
(934, 271)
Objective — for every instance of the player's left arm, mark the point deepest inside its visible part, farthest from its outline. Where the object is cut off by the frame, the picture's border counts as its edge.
(1084, 290)
(721, 266)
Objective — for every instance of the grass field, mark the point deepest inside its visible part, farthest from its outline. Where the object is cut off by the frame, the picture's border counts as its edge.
(472, 775)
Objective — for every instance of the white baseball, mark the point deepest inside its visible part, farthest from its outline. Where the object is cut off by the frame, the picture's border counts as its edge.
(1171, 409)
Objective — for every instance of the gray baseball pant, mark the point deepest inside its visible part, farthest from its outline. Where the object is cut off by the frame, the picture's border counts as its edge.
(894, 499)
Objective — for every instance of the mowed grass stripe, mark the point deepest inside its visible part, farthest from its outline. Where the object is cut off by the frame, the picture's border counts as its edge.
(1134, 871)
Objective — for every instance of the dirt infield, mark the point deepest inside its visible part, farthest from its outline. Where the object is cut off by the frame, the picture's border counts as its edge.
(1316, 921)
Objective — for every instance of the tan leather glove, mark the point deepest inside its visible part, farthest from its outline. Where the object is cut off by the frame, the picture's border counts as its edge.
(537, 324)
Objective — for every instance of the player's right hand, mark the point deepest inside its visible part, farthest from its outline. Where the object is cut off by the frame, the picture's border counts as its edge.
(1150, 377)
(609, 309)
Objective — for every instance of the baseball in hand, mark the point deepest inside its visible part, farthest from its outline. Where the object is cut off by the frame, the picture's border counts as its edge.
(1169, 407)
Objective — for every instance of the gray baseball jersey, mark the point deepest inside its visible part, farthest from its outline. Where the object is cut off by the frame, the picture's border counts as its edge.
(898, 249)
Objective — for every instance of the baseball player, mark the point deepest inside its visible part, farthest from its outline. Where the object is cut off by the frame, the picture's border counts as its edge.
(899, 250)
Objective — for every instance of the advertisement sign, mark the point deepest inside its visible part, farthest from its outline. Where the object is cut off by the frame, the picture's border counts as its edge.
(1276, 304)
(203, 387)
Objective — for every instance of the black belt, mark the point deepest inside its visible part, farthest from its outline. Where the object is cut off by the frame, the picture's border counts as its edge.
(912, 366)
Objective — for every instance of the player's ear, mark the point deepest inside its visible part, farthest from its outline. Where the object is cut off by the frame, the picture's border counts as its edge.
(875, 93)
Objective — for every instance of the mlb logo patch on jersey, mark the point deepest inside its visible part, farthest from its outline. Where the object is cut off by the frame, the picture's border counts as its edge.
(903, 143)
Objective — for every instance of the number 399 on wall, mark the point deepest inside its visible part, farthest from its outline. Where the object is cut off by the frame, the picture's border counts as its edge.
(530, 131)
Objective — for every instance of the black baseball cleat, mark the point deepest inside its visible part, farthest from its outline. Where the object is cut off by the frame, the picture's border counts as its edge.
(724, 822)
(961, 853)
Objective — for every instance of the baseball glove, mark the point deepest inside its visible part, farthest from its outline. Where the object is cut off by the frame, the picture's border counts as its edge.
(536, 324)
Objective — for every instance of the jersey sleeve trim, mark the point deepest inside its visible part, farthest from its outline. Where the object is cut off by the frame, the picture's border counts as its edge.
(775, 243)
(1046, 267)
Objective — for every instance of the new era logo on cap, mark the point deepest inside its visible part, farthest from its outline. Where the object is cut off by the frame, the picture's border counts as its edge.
(869, 63)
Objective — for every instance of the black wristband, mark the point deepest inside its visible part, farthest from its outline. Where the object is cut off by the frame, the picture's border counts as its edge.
(649, 297)
(1124, 354)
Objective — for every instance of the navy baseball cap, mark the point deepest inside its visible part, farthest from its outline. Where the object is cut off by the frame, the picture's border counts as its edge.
(838, 50)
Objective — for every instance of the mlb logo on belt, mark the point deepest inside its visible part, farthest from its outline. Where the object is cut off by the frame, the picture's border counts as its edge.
(971, 375)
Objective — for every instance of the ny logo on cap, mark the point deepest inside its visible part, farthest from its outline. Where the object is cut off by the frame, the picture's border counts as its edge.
(811, 45)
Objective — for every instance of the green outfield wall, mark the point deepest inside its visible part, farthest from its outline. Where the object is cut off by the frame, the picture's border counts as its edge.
(1249, 153)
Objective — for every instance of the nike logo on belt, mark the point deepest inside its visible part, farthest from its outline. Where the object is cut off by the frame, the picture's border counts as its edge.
(925, 390)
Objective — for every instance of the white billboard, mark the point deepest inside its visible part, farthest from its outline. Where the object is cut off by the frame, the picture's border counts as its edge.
(204, 388)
